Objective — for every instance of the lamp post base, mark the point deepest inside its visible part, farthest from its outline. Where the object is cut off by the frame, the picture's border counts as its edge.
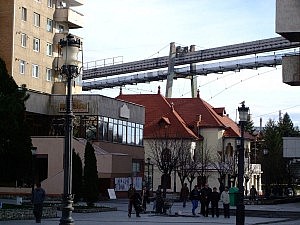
(240, 214)
(66, 218)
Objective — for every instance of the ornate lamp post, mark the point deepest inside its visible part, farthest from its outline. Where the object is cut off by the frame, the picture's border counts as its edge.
(240, 208)
(148, 175)
(70, 48)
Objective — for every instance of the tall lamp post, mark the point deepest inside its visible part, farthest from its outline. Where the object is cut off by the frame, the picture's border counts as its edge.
(148, 175)
(240, 208)
(70, 48)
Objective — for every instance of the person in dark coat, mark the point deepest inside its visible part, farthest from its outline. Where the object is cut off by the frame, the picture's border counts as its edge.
(194, 197)
(134, 200)
(145, 198)
(253, 194)
(38, 197)
(137, 204)
(214, 198)
(205, 199)
(184, 194)
(159, 200)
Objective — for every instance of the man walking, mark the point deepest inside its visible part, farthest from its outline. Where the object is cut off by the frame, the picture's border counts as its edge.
(205, 199)
(38, 197)
(184, 194)
(215, 197)
(195, 196)
(226, 200)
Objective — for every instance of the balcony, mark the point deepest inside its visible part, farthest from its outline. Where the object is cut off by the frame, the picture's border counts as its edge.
(70, 16)
(288, 19)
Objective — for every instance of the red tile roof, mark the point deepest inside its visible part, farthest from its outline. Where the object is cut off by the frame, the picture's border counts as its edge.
(159, 110)
(181, 116)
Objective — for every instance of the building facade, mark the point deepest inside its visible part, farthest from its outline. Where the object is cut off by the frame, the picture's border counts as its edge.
(212, 136)
(30, 33)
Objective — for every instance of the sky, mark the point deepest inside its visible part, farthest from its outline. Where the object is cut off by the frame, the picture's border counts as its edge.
(134, 30)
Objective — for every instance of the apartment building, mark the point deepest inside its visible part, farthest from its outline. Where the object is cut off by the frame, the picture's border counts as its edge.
(30, 32)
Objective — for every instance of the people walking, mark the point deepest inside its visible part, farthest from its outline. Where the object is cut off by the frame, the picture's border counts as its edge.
(214, 198)
(145, 198)
(205, 199)
(253, 194)
(159, 200)
(133, 201)
(184, 194)
(226, 200)
(38, 197)
(194, 196)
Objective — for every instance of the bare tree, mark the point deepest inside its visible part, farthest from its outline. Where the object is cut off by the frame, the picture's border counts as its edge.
(225, 164)
(169, 152)
(186, 161)
(203, 152)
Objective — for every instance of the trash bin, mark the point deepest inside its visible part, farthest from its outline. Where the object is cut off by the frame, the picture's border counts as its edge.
(233, 195)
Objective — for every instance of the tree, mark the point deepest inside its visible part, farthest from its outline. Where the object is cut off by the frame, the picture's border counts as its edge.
(249, 127)
(287, 128)
(272, 135)
(187, 163)
(15, 142)
(76, 176)
(90, 175)
(273, 142)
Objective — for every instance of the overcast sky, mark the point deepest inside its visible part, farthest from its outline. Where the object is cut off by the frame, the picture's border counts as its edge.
(141, 29)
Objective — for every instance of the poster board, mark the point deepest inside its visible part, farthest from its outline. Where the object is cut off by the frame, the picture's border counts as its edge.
(112, 193)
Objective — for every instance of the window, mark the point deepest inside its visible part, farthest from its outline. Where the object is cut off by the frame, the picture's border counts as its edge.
(24, 14)
(36, 44)
(22, 67)
(23, 40)
(49, 49)
(48, 74)
(36, 19)
(124, 137)
(61, 28)
(49, 25)
(136, 167)
(35, 71)
(50, 3)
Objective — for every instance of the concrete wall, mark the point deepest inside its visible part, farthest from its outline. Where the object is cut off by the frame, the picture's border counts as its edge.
(288, 19)
(291, 70)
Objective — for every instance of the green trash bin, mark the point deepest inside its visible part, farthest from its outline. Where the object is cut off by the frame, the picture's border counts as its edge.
(233, 195)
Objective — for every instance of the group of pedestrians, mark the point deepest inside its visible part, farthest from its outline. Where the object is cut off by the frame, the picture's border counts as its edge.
(207, 197)
(137, 200)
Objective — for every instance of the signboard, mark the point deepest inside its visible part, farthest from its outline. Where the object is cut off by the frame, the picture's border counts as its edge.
(112, 193)
(77, 105)
(122, 183)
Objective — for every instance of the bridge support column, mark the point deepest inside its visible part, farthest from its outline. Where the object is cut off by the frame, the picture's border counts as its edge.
(171, 64)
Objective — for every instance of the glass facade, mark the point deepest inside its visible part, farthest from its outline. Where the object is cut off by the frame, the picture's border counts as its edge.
(108, 129)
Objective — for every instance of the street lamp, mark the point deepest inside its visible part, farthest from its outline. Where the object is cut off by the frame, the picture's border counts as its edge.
(33, 153)
(70, 48)
(240, 208)
(148, 175)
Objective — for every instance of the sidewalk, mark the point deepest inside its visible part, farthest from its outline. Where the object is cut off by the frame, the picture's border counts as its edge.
(120, 216)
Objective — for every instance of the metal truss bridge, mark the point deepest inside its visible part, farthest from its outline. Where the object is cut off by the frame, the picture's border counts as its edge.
(97, 77)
